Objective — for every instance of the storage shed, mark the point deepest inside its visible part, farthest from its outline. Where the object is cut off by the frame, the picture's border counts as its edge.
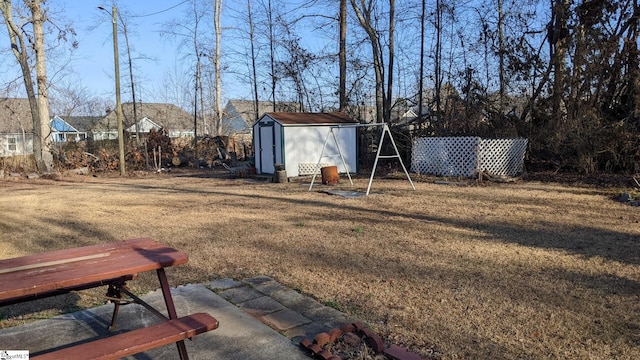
(296, 140)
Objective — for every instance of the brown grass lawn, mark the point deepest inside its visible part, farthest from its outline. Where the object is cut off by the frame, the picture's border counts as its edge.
(525, 270)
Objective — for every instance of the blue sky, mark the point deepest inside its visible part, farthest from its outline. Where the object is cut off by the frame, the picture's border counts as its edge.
(93, 59)
(92, 62)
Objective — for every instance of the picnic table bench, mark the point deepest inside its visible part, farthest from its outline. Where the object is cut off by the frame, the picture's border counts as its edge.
(113, 264)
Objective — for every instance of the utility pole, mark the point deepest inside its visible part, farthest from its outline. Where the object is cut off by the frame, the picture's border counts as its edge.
(114, 15)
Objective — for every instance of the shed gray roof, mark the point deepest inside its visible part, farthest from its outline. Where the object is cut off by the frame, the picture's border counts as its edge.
(333, 118)
(15, 116)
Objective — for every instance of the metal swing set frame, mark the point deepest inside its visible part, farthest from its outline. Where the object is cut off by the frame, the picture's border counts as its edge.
(332, 135)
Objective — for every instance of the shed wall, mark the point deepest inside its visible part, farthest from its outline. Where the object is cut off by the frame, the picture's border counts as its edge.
(303, 144)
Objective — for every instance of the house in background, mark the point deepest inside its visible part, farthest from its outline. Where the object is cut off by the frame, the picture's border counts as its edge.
(83, 123)
(297, 141)
(365, 114)
(175, 120)
(62, 131)
(406, 119)
(238, 116)
(16, 127)
(144, 127)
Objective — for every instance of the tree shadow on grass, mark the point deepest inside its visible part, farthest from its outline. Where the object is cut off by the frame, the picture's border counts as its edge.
(581, 240)
(587, 296)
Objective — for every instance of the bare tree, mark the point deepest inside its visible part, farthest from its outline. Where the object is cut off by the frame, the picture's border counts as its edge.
(22, 51)
(342, 55)
(558, 42)
(192, 30)
(133, 87)
(438, 61)
(253, 59)
(389, 95)
(272, 42)
(423, 8)
(365, 11)
(71, 98)
(218, 98)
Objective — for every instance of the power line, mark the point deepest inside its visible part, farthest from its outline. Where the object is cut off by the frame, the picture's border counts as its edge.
(160, 12)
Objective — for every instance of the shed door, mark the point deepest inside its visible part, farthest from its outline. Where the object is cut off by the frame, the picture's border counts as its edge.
(267, 152)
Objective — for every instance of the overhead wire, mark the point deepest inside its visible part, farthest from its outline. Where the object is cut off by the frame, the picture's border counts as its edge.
(159, 12)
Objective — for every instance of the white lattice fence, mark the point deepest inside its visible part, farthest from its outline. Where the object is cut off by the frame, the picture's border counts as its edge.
(446, 156)
(466, 156)
(307, 168)
(502, 157)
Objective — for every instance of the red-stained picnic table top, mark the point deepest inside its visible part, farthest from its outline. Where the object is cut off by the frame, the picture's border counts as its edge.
(39, 274)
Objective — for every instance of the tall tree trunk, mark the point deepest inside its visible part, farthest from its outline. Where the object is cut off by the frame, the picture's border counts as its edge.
(272, 55)
(216, 22)
(501, 53)
(438, 63)
(253, 61)
(559, 44)
(342, 55)
(46, 157)
(634, 65)
(38, 102)
(133, 87)
(364, 13)
(421, 79)
(388, 96)
(574, 100)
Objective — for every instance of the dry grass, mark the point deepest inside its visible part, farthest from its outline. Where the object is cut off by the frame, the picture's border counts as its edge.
(507, 271)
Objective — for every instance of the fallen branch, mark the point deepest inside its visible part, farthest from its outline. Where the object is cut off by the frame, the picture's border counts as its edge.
(90, 154)
(495, 178)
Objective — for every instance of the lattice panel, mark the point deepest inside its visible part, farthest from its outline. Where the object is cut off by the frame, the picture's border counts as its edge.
(307, 168)
(465, 156)
(502, 157)
(445, 156)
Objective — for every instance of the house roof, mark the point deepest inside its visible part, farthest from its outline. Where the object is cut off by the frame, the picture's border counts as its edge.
(333, 118)
(57, 124)
(15, 116)
(168, 116)
(83, 123)
(145, 125)
(246, 109)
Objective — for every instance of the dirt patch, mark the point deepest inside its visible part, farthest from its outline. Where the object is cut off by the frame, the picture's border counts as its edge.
(519, 270)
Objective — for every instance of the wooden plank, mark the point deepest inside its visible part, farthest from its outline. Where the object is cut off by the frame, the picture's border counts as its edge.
(136, 341)
(51, 263)
(125, 258)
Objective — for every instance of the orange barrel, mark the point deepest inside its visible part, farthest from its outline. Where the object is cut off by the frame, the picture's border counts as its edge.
(330, 175)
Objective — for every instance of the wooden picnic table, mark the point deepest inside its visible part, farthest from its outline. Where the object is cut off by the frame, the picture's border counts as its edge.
(113, 264)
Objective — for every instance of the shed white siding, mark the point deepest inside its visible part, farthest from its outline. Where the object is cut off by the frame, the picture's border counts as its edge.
(303, 144)
(295, 144)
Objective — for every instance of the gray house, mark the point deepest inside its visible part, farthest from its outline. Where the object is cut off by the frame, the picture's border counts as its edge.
(175, 120)
(16, 127)
(240, 115)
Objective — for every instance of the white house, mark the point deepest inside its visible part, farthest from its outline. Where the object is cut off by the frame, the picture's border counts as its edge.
(16, 127)
(175, 120)
(296, 140)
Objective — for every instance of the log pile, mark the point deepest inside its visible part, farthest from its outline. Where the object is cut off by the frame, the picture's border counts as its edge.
(155, 152)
